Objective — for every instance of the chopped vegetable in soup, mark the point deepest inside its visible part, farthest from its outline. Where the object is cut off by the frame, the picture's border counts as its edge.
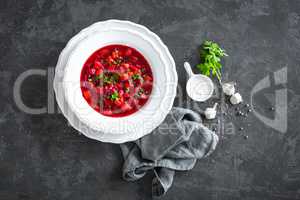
(116, 80)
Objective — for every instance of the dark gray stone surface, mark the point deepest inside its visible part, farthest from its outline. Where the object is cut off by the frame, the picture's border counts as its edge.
(41, 157)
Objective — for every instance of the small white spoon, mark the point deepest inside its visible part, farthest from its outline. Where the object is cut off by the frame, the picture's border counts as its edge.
(199, 87)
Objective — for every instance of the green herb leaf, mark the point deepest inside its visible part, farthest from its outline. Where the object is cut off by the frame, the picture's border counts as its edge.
(98, 77)
(141, 91)
(114, 96)
(211, 55)
(107, 79)
(114, 77)
(136, 76)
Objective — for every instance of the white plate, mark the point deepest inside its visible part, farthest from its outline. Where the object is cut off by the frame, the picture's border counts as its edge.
(79, 113)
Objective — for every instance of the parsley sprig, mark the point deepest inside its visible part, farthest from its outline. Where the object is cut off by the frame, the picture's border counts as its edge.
(210, 55)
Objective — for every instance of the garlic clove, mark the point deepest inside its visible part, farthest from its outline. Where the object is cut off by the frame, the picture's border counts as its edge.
(236, 98)
(210, 113)
(228, 88)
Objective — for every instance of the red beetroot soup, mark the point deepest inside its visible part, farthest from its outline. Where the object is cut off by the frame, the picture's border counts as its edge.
(116, 80)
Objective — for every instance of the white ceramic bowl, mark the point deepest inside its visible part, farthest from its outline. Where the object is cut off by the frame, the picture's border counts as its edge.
(76, 109)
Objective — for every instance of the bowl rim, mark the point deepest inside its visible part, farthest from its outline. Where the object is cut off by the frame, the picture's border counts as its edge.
(72, 45)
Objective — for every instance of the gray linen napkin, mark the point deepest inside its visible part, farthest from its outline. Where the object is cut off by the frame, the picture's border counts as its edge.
(175, 145)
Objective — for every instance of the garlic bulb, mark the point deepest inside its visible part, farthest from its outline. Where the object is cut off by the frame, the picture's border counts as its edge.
(228, 88)
(236, 98)
(210, 113)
